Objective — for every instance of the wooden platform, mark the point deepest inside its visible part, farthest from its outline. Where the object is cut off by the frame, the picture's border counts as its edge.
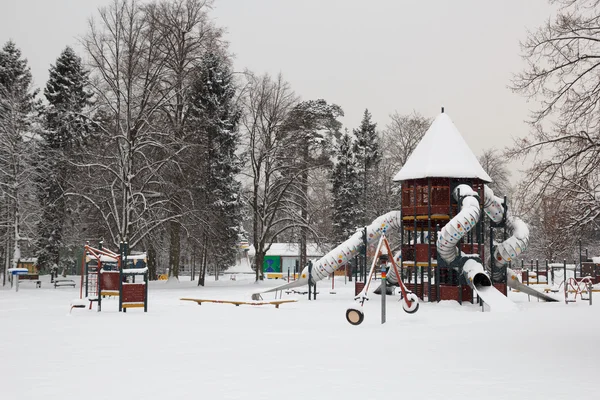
(275, 303)
(442, 217)
(408, 264)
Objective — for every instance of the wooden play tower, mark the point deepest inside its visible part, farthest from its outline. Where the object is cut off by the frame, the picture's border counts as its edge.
(440, 162)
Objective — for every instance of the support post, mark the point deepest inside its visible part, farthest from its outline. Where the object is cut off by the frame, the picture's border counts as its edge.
(383, 260)
(309, 279)
(428, 241)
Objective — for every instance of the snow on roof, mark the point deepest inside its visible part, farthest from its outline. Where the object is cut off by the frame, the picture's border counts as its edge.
(442, 153)
(290, 250)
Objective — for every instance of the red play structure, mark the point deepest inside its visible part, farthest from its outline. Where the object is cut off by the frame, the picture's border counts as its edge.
(103, 274)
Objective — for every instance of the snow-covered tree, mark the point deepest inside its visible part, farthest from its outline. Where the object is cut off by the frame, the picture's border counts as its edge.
(399, 138)
(128, 152)
(187, 33)
(64, 126)
(562, 77)
(213, 124)
(17, 148)
(312, 127)
(347, 187)
(368, 156)
(495, 164)
(267, 103)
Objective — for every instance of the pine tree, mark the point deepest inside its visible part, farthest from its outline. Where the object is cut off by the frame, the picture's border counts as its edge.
(63, 126)
(215, 116)
(346, 191)
(368, 157)
(312, 126)
(17, 116)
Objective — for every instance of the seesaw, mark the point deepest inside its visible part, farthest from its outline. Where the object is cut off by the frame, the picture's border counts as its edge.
(275, 303)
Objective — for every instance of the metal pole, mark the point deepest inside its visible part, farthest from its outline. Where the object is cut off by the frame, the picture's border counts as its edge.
(309, 278)
(590, 287)
(537, 272)
(384, 292)
(364, 263)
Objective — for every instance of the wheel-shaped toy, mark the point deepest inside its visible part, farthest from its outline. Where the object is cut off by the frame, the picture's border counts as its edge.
(355, 316)
(414, 303)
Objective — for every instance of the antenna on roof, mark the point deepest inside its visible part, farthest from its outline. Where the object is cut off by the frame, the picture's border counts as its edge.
(442, 109)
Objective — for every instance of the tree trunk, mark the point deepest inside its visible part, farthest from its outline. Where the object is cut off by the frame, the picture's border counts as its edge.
(304, 205)
(151, 262)
(259, 259)
(203, 266)
(174, 248)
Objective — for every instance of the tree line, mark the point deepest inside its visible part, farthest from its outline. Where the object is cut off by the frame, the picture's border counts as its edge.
(157, 142)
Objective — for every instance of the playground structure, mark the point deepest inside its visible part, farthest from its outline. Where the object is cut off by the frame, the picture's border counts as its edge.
(444, 190)
(104, 274)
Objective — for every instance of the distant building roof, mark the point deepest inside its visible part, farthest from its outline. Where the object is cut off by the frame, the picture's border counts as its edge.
(290, 250)
(442, 153)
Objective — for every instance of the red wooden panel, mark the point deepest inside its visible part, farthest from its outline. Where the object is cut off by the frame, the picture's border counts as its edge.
(501, 287)
(467, 294)
(110, 280)
(466, 248)
(448, 292)
(134, 292)
(422, 252)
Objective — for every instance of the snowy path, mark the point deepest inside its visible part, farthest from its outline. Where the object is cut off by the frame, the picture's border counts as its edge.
(180, 350)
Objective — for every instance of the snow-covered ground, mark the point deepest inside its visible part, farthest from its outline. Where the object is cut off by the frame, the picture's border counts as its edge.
(304, 350)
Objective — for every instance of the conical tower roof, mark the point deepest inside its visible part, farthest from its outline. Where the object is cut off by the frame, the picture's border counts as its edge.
(442, 153)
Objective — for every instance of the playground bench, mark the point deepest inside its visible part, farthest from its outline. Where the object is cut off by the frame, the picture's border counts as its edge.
(38, 283)
(275, 303)
(64, 282)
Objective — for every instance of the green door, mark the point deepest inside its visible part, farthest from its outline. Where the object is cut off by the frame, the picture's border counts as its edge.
(272, 264)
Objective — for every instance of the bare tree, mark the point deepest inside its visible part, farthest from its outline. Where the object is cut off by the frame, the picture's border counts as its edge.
(548, 239)
(126, 158)
(495, 164)
(563, 59)
(268, 103)
(399, 138)
(186, 33)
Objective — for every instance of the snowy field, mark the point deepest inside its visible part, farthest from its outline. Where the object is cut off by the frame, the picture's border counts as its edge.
(304, 350)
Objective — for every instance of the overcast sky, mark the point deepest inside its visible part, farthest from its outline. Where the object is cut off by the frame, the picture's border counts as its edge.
(384, 55)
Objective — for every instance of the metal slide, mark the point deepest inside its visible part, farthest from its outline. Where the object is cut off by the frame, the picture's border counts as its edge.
(511, 247)
(512, 279)
(339, 256)
(504, 252)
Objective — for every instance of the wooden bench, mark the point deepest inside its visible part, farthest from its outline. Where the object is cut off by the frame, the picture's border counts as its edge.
(275, 303)
(64, 282)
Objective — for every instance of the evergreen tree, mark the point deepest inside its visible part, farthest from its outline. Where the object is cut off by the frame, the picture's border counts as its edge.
(312, 126)
(346, 191)
(215, 116)
(63, 126)
(368, 156)
(17, 113)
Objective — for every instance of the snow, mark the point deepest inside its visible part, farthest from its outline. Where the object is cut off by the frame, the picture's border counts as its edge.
(135, 271)
(179, 350)
(290, 250)
(442, 153)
